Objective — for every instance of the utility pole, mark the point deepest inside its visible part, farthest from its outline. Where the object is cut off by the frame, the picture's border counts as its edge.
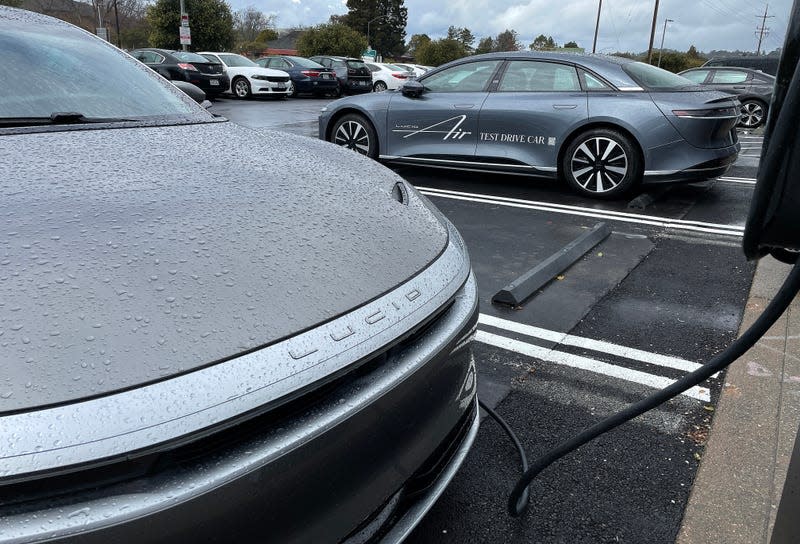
(763, 30)
(652, 35)
(184, 28)
(597, 27)
(661, 49)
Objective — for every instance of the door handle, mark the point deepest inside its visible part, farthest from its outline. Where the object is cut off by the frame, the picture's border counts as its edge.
(739, 87)
(564, 106)
(463, 106)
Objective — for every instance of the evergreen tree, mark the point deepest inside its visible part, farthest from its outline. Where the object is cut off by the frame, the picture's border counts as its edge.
(386, 20)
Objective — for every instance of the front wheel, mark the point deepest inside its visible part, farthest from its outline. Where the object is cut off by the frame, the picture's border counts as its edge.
(753, 114)
(355, 132)
(379, 87)
(241, 88)
(602, 163)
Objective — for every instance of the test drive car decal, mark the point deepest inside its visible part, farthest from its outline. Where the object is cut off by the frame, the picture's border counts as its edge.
(455, 132)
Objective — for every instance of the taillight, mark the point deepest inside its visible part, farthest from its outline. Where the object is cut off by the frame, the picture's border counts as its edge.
(399, 75)
(187, 66)
(708, 113)
(310, 73)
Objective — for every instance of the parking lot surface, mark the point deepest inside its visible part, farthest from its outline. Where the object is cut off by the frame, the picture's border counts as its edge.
(663, 293)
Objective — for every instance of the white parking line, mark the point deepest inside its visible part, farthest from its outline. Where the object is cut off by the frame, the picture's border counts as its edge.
(625, 352)
(584, 363)
(677, 224)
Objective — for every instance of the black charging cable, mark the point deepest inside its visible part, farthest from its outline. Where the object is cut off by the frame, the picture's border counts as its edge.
(518, 500)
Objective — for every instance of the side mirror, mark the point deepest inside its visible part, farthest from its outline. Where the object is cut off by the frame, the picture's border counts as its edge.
(412, 89)
(195, 93)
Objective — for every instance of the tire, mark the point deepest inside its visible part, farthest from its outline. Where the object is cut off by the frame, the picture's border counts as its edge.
(602, 163)
(293, 91)
(753, 114)
(355, 132)
(337, 92)
(241, 88)
(379, 87)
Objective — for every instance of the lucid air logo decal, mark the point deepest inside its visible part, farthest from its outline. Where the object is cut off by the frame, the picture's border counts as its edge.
(349, 330)
(451, 128)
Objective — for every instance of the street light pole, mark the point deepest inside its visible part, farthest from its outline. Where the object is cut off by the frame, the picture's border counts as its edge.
(183, 12)
(597, 27)
(369, 45)
(661, 49)
(652, 35)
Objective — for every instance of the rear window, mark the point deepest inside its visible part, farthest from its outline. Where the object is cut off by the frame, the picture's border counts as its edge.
(305, 63)
(355, 64)
(189, 57)
(650, 77)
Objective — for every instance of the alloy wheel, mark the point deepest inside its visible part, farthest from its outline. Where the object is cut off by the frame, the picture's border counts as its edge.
(352, 135)
(752, 114)
(599, 164)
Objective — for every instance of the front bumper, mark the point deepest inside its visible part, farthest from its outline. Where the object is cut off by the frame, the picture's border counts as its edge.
(368, 453)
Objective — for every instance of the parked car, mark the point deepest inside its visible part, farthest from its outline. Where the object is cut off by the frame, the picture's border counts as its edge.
(415, 69)
(209, 75)
(768, 65)
(204, 346)
(604, 124)
(353, 75)
(751, 87)
(249, 79)
(307, 76)
(386, 76)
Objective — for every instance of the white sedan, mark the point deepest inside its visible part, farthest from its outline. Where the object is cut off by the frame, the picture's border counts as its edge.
(415, 69)
(386, 76)
(249, 79)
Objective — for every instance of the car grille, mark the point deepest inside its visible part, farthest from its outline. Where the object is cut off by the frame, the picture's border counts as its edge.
(125, 473)
(277, 79)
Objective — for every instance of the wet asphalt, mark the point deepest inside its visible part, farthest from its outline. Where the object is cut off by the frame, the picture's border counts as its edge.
(659, 289)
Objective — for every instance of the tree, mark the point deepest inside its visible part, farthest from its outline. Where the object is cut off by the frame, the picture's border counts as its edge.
(267, 35)
(486, 45)
(249, 22)
(211, 22)
(388, 32)
(462, 35)
(331, 39)
(438, 52)
(415, 42)
(508, 40)
(543, 43)
(12, 3)
(692, 52)
(571, 45)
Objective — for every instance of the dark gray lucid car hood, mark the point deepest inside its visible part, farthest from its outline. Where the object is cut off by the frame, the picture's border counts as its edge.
(127, 257)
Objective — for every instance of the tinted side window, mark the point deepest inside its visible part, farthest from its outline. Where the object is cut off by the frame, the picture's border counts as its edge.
(468, 77)
(729, 76)
(591, 83)
(526, 75)
(698, 76)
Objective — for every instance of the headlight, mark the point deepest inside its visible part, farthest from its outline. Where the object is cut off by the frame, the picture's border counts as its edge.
(257, 76)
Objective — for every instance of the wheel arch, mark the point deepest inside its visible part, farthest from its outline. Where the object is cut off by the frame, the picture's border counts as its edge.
(598, 125)
(353, 109)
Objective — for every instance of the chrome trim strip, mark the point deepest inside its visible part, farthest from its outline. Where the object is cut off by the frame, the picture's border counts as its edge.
(176, 409)
(425, 160)
(715, 118)
(411, 519)
(629, 89)
(115, 507)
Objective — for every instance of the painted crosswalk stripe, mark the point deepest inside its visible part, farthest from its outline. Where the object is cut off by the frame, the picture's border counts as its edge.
(585, 363)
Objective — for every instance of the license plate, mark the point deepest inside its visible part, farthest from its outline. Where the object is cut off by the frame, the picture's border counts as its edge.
(214, 82)
(279, 87)
(326, 76)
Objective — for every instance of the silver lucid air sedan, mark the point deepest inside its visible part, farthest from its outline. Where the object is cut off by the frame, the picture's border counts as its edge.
(205, 347)
(604, 124)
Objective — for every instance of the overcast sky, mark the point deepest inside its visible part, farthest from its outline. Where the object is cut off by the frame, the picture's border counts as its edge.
(624, 24)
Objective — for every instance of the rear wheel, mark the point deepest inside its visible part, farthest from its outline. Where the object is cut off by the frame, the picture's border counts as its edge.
(379, 87)
(753, 114)
(355, 132)
(241, 87)
(601, 163)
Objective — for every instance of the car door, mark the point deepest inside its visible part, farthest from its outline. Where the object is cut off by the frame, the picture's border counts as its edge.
(441, 123)
(535, 105)
(730, 80)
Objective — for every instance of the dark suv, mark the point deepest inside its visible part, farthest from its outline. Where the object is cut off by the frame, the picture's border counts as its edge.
(186, 66)
(353, 75)
(751, 87)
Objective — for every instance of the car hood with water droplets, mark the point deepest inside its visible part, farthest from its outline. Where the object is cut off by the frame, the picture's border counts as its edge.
(131, 255)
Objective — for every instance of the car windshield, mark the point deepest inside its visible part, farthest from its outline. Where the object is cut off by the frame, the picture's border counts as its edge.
(236, 61)
(394, 68)
(355, 64)
(304, 63)
(67, 70)
(654, 78)
(189, 57)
